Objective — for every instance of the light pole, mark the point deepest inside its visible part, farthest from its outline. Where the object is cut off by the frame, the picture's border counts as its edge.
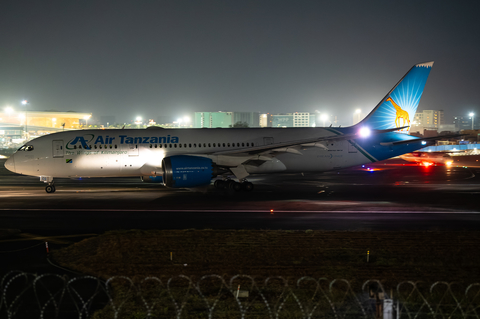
(86, 117)
(472, 115)
(138, 121)
(25, 103)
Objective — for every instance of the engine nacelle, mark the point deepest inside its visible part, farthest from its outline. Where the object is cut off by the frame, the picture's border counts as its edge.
(187, 171)
(152, 179)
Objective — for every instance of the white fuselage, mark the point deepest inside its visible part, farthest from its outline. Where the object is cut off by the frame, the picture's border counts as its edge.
(139, 152)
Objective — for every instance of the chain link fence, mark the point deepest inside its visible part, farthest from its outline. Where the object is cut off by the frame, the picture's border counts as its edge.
(26, 295)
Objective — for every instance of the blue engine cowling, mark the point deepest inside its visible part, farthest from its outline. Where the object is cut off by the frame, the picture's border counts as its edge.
(187, 171)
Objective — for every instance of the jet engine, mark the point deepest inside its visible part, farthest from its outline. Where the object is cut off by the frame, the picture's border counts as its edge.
(188, 171)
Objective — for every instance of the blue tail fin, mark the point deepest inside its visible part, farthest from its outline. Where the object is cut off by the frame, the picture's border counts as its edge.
(398, 107)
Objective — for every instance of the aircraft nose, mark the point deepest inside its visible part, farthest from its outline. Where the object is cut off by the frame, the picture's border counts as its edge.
(10, 163)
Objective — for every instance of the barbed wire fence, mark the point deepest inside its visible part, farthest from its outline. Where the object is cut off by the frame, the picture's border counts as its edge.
(27, 295)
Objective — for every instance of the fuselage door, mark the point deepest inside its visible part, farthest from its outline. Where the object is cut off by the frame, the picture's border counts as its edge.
(132, 150)
(58, 148)
(351, 147)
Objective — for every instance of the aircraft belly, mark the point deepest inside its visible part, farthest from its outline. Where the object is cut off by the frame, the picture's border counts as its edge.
(316, 160)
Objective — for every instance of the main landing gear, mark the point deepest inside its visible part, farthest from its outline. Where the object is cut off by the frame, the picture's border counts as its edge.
(231, 184)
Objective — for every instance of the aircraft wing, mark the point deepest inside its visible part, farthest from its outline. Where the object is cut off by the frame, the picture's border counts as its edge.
(310, 142)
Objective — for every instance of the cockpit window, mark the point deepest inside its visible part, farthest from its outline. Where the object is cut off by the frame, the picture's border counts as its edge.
(26, 148)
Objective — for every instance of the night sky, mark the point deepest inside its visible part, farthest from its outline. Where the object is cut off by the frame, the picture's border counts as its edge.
(171, 58)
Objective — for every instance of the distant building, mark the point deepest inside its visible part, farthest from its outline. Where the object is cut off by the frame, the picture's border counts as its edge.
(465, 122)
(16, 127)
(427, 120)
(297, 119)
(265, 120)
(225, 119)
(282, 120)
(46, 121)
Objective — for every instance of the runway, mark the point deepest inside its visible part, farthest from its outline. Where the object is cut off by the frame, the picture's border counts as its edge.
(390, 196)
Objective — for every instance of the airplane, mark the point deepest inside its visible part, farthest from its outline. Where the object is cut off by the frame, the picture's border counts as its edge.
(188, 158)
(428, 158)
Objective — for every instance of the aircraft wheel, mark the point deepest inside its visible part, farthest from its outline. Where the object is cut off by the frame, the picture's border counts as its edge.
(50, 189)
(218, 183)
(230, 184)
(236, 186)
(247, 186)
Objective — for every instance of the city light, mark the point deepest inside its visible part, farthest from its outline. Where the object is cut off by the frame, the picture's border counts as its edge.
(24, 102)
(358, 111)
(324, 118)
(472, 115)
(9, 110)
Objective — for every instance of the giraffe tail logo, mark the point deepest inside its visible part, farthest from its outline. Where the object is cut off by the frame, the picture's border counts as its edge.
(401, 116)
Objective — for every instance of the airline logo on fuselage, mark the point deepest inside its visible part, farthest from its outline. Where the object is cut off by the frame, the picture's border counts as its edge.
(89, 139)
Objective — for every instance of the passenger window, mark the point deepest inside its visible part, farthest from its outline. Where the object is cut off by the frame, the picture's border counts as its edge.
(228, 144)
(194, 144)
(115, 145)
(74, 147)
(185, 145)
(179, 145)
(209, 145)
(155, 145)
(190, 145)
(136, 146)
(204, 145)
(160, 145)
(243, 144)
(223, 144)
(80, 146)
(248, 144)
(213, 144)
(151, 146)
(238, 144)
(95, 146)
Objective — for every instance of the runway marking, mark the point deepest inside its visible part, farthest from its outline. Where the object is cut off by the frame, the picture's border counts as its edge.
(239, 211)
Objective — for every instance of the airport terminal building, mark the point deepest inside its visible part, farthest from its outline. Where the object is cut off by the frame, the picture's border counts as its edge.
(16, 127)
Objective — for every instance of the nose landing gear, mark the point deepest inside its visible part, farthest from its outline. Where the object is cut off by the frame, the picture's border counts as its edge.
(50, 188)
